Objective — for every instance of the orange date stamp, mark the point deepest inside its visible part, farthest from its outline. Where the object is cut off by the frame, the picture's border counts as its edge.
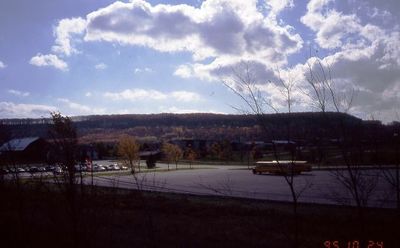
(353, 244)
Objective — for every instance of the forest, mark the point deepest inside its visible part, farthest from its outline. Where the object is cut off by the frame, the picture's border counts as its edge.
(309, 130)
(107, 128)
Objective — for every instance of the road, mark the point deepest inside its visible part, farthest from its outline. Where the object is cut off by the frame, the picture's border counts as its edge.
(238, 181)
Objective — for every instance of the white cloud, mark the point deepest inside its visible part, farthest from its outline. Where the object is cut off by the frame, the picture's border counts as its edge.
(331, 26)
(142, 94)
(142, 70)
(218, 29)
(185, 96)
(277, 6)
(361, 47)
(178, 110)
(184, 71)
(49, 60)
(18, 93)
(78, 108)
(223, 67)
(88, 94)
(136, 94)
(359, 39)
(100, 66)
(64, 31)
(20, 110)
(2, 65)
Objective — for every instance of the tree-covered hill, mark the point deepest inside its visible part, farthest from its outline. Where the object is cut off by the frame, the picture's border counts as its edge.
(95, 128)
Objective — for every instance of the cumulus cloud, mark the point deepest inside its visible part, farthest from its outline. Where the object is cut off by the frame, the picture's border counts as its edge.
(331, 26)
(358, 39)
(360, 48)
(277, 6)
(20, 110)
(184, 71)
(143, 94)
(218, 29)
(18, 93)
(224, 68)
(49, 60)
(2, 65)
(64, 32)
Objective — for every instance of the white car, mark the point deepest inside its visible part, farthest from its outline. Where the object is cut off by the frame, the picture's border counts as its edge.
(97, 168)
(114, 167)
(57, 170)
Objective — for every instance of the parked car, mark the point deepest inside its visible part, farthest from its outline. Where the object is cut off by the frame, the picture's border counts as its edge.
(20, 170)
(57, 170)
(3, 171)
(112, 167)
(80, 167)
(282, 167)
(33, 169)
(97, 168)
(41, 169)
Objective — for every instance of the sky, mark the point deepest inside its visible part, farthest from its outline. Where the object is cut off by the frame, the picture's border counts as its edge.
(152, 56)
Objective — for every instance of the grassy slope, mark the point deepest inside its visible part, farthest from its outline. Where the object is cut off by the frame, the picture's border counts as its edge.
(38, 216)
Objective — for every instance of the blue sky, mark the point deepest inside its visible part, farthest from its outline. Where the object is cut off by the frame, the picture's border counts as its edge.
(106, 57)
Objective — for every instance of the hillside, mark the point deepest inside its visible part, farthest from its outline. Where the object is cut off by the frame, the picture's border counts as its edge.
(107, 128)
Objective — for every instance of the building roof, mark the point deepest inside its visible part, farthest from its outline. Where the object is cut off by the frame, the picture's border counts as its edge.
(18, 144)
(149, 153)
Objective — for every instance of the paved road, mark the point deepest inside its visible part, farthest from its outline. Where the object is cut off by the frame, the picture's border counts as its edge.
(315, 186)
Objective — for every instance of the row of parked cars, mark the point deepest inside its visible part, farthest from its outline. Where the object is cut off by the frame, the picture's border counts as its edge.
(58, 169)
(97, 168)
(32, 169)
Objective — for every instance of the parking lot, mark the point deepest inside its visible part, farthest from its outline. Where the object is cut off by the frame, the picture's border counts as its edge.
(237, 181)
(221, 180)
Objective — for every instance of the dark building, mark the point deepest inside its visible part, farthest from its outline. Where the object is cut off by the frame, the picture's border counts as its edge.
(24, 151)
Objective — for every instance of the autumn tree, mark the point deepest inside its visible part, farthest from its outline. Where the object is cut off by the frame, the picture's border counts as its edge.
(177, 155)
(190, 155)
(226, 151)
(215, 150)
(253, 154)
(128, 151)
(173, 153)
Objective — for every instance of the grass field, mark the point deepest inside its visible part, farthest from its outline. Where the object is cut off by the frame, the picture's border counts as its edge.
(38, 216)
